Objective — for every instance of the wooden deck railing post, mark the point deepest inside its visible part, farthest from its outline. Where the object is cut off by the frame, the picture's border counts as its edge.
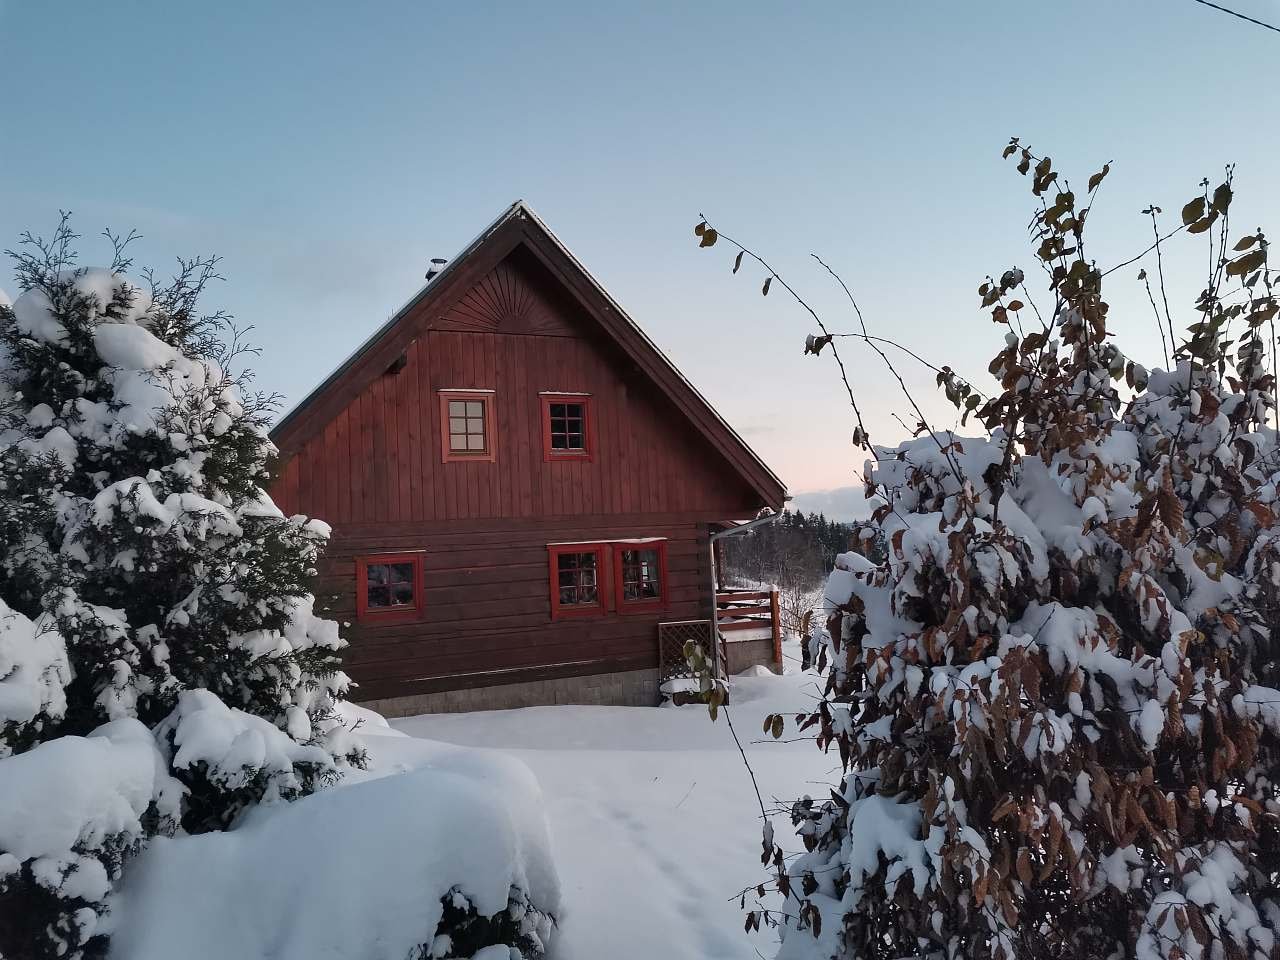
(776, 620)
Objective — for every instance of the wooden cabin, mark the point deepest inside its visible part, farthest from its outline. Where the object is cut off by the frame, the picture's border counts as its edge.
(521, 486)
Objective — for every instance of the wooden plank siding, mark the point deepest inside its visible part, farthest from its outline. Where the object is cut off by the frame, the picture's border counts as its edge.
(373, 470)
(646, 459)
(488, 611)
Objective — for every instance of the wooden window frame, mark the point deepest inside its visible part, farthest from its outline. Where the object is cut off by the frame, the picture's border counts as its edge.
(366, 614)
(490, 453)
(604, 576)
(550, 455)
(608, 579)
(660, 602)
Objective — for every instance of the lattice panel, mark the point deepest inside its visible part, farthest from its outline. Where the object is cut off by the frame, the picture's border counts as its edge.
(671, 640)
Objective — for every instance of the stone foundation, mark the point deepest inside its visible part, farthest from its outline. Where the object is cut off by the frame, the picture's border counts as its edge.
(634, 688)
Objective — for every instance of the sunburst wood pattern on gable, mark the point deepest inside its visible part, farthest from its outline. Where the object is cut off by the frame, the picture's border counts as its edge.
(509, 299)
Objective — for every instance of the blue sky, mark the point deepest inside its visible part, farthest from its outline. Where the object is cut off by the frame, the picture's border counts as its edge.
(327, 151)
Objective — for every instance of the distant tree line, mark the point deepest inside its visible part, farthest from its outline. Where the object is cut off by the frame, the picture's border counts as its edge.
(797, 549)
(795, 552)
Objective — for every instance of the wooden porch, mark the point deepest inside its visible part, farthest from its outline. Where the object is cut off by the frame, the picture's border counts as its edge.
(749, 625)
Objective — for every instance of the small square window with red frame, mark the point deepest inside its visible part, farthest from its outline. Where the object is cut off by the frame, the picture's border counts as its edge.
(566, 426)
(641, 576)
(579, 580)
(389, 587)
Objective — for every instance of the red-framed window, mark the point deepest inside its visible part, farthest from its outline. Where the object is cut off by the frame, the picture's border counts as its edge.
(593, 579)
(467, 425)
(389, 587)
(566, 426)
(640, 576)
(579, 579)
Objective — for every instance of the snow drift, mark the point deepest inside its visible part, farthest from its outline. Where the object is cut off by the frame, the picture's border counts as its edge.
(378, 861)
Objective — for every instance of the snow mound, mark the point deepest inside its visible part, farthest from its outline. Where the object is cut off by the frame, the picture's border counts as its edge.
(34, 671)
(378, 858)
(98, 287)
(131, 347)
(71, 811)
(79, 791)
(236, 747)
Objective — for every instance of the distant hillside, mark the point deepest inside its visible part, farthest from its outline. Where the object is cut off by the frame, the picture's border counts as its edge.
(842, 504)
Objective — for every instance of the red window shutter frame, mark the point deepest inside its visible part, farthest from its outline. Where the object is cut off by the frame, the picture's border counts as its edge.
(364, 614)
(640, 606)
(588, 428)
(604, 576)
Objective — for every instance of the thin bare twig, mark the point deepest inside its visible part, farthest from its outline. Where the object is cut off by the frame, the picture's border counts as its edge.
(866, 439)
(1131, 260)
(944, 449)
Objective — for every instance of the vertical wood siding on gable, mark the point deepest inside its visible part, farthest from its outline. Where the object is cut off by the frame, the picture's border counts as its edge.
(379, 460)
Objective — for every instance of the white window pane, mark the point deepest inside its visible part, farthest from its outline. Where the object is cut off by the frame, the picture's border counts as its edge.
(475, 443)
(475, 426)
(457, 425)
(457, 408)
(457, 442)
(475, 408)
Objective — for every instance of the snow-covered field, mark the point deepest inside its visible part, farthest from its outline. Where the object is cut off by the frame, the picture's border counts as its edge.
(655, 827)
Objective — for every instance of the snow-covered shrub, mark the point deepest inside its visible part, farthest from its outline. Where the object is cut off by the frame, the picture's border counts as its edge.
(155, 615)
(1055, 696)
(231, 760)
(132, 509)
(34, 673)
(444, 861)
(145, 578)
(72, 811)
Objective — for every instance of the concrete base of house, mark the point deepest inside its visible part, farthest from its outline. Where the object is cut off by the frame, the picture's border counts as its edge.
(634, 688)
(744, 654)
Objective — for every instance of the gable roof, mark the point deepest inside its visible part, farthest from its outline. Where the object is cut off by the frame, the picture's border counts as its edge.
(519, 226)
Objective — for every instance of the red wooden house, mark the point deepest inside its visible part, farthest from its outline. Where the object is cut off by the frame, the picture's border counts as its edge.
(521, 487)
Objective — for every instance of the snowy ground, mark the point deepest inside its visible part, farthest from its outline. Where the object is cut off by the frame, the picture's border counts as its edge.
(655, 827)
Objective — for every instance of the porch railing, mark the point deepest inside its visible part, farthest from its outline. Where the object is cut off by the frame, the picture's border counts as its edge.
(756, 611)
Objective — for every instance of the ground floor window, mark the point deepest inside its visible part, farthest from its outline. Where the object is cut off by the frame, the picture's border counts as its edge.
(389, 586)
(577, 578)
(627, 576)
(642, 574)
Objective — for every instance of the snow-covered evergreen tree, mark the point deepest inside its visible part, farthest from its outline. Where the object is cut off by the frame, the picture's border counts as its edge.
(162, 669)
(145, 576)
(1056, 697)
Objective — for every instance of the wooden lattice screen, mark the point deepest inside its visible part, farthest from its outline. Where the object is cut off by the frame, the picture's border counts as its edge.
(671, 640)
